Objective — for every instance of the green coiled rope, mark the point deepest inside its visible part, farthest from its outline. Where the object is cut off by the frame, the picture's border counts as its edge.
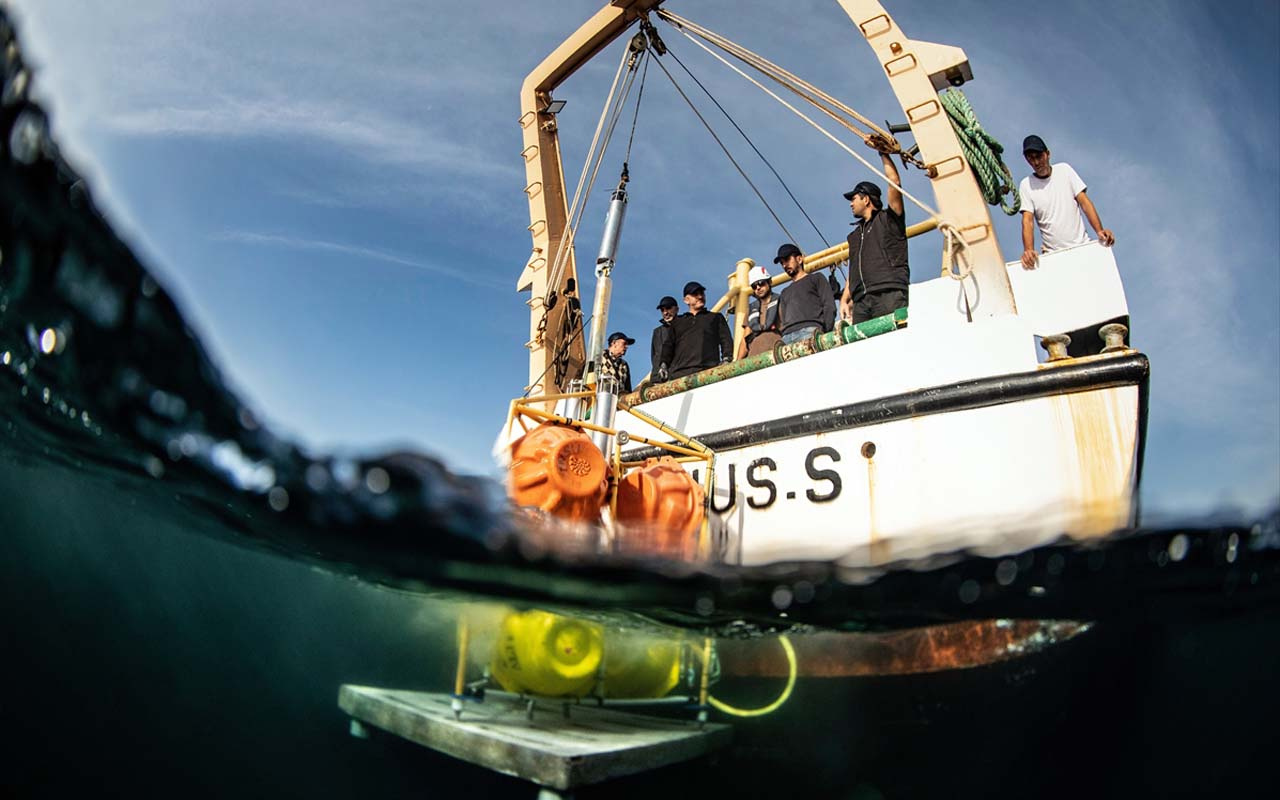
(983, 152)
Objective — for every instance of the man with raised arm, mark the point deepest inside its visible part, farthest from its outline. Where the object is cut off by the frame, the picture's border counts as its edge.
(1052, 198)
(879, 275)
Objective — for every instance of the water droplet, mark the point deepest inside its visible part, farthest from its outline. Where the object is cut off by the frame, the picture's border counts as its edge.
(48, 341)
(278, 498)
(782, 597)
(377, 480)
(27, 137)
(804, 592)
(970, 591)
(189, 444)
(345, 473)
(1178, 547)
(1162, 558)
(154, 466)
(1036, 591)
(45, 395)
(704, 605)
(149, 286)
(1006, 572)
(6, 357)
(15, 90)
(1056, 564)
(317, 478)
(1233, 548)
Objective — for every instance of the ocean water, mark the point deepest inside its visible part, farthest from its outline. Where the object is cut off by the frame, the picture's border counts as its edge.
(184, 592)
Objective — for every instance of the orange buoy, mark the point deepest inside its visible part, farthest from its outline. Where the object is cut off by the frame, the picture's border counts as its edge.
(660, 508)
(558, 469)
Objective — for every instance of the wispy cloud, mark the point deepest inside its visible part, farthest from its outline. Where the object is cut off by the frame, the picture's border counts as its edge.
(367, 135)
(358, 251)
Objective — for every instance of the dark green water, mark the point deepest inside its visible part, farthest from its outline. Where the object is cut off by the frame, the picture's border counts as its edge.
(183, 592)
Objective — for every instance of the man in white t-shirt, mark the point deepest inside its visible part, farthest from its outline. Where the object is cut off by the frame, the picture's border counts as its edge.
(1052, 199)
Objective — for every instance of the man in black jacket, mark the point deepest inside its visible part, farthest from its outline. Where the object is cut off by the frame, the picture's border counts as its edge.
(879, 276)
(662, 338)
(702, 337)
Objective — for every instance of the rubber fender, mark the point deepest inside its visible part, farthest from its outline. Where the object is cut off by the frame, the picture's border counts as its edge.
(547, 654)
(558, 469)
(660, 509)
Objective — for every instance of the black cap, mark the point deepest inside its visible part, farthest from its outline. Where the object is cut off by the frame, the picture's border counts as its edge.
(693, 287)
(1034, 143)
(864, 187)
(786, 251)
(667, 301)
(620, 335)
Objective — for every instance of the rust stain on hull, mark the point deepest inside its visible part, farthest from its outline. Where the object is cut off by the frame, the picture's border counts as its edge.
(1102, 428)
(937, 648)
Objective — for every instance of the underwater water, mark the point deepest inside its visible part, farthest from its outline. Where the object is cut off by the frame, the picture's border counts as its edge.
(184, 592)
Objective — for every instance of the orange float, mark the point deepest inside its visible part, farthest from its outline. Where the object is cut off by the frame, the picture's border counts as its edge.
(557, 469)
(660, 509)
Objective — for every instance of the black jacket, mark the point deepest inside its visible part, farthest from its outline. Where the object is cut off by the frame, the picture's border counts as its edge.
(700, 341)
(662, 339)
(878, 254)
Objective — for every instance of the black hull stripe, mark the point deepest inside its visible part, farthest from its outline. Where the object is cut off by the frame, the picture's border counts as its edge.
(980, 393)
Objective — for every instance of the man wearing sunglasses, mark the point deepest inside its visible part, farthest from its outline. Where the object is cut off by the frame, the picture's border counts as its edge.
(762, 318)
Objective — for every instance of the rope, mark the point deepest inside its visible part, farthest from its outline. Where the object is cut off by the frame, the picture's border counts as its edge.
(982, 151)
(792, 669)
(644, 73)
(923, 205)
(752, 144)
(728, 155)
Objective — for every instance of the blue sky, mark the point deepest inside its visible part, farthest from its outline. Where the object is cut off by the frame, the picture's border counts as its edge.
(333, 194)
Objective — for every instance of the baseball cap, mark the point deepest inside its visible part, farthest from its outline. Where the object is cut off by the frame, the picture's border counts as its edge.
(693, 287)
(786, 251)
(1034, 143)
(620, 335)
(864, 187)
(667, 301)
(756, 275)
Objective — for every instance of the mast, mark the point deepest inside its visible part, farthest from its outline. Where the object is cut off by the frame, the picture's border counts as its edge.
(557, 330)
(917, 71)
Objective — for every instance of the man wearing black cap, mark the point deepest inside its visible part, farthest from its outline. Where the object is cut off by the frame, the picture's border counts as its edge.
(612, 362)
(1052, 199)
(702, 337)
(663, 337)
(879, 277)
(805, 306)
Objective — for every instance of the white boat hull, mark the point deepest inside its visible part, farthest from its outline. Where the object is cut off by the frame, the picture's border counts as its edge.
(943, 436)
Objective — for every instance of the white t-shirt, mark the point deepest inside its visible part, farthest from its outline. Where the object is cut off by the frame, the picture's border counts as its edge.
(1053, 201)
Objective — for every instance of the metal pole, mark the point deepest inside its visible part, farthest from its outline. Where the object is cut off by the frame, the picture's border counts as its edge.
(742, 302)
(602, 414)
(604, 272)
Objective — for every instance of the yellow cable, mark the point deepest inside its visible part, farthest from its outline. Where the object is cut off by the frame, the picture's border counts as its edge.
(720, 705)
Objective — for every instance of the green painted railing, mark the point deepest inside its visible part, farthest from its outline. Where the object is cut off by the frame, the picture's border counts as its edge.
(842, 335)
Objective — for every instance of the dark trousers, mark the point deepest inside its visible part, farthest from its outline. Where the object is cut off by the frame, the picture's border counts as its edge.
(878, 303)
